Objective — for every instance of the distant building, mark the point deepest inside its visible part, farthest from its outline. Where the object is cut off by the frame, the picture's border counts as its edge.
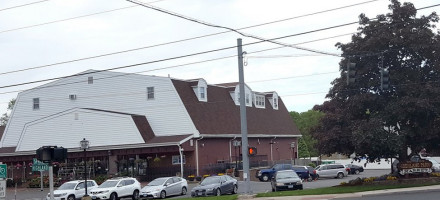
(138, 123)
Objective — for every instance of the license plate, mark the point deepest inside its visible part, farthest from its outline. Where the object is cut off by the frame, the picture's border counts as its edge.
(94, 197)
(199, 194)
(290, 186)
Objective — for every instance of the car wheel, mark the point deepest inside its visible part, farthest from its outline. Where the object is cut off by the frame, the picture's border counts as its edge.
(317, 176)
(184, 190)
(300, 187)
(235, 190)
(218, 192)
(357, 171)
(135, 195)
(71, 197)
(273, 190)
(163, 194)
(340, 175)
(113, 196)
(265, 177)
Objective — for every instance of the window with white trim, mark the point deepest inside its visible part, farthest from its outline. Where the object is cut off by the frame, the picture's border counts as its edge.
(275, 103)
(259, 101)
(202, 92)
(175, 160)
(247, 98)
(150, 92)
(36, 103)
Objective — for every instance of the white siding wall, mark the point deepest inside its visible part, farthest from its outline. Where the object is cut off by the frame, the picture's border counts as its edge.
(100, 128)
(111, 91)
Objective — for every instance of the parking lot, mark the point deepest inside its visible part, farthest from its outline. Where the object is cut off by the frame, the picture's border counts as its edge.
(256, 187)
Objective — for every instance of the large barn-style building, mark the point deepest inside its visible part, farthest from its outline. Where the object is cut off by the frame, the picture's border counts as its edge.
(139, 124)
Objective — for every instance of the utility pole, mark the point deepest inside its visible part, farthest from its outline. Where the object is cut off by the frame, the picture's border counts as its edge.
(244, 138)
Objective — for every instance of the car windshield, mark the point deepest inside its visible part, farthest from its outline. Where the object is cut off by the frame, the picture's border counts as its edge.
(108, 184)
(210, 180)
(318, 167)
(157, 181)
(67, 186)
(288, 174)
(433, 161)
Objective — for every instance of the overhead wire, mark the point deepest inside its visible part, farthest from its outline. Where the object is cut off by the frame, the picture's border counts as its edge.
(187, 39)
(72, 18)
(22, 5)
(213, 59)
(231, 29)
(123, 8)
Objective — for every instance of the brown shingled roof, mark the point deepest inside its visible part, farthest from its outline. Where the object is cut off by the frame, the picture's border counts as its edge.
(220, 115)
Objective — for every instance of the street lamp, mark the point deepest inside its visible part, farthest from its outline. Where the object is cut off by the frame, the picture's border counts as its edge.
(85, 145)
(292, 146)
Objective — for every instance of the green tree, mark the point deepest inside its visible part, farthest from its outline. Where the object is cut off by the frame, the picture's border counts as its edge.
(5, 117)
(305, 122)
(364, 119)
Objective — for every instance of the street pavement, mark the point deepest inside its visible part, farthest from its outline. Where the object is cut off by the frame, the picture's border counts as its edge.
(256, 186)
(425, 193)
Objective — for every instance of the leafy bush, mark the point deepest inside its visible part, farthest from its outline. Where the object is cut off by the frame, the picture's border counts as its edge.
(100, 179)
(312, 165)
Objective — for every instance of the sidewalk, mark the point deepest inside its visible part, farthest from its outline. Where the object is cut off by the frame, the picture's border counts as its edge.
(357, 194)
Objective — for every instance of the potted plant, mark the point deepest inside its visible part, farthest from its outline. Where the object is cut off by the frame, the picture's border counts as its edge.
(191, 177)
(198, 178)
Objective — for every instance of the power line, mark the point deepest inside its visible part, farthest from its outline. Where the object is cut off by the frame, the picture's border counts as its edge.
(128, 66)
(176, 58)
(23, 5)
(72, 18)
(183, 40)
(230, 29)
(122, 8)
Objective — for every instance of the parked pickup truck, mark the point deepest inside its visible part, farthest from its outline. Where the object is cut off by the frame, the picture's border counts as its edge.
(266, 174)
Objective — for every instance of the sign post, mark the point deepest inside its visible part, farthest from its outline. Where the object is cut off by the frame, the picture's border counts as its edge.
(2, 188)
(38, 166)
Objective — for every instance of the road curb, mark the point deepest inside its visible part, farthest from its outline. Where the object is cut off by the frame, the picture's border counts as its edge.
(357, 194)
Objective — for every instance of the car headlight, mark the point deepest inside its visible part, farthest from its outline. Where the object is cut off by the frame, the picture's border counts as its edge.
(299, 183)
(64, 194)
(259, 173)
(210, 189)
(280, 184)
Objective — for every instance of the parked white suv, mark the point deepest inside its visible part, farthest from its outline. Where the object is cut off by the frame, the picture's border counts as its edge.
(72, 190)
(331, 170)
(116, 188)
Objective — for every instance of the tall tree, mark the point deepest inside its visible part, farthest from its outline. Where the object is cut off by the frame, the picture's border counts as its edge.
(5, 117)
(306, 121)
(361, 117)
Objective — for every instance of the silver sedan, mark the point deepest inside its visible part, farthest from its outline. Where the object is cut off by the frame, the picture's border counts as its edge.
(163, 187)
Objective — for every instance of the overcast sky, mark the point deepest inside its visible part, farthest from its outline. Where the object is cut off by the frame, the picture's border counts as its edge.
(297, 78)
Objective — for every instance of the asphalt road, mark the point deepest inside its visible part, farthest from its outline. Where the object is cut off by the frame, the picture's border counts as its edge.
(256, 186)
(425, 195)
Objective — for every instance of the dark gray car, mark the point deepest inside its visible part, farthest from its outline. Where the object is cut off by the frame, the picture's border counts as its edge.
(286, 180)
(215, 185)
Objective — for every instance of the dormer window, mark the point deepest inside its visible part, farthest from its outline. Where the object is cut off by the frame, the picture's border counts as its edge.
(275, 103)
(202, 92)
(259, 101)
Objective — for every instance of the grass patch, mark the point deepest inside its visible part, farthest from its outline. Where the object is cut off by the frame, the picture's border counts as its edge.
(340, 190)
(225, 197)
